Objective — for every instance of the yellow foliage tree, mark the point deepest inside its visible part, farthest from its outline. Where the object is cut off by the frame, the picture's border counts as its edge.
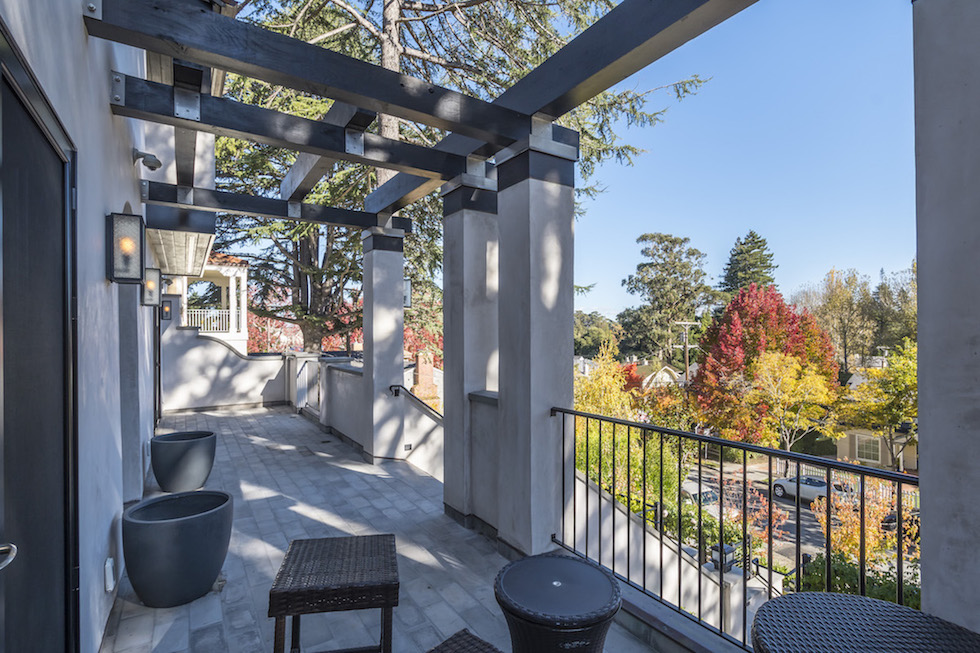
(796, 399)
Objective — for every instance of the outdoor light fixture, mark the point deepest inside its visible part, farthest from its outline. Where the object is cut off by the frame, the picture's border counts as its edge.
(729, 557)
(149, 160)
(407, 294)
(151, 287)
(166, 309)
(124, 248)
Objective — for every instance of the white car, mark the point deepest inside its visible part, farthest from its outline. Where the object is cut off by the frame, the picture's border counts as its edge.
(811, 487)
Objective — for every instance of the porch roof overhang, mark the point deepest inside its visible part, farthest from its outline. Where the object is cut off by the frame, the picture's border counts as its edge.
(180, 239)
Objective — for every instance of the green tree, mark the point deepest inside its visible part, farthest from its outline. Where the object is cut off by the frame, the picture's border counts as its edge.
(672, 284)
(750, 261)
(887, 400)
(841, 304)
(590, 330)
(894, 308)
(477, 47)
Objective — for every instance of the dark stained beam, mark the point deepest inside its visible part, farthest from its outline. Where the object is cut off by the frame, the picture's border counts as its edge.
(309, 169)
(195, 33)
(627, 39)
(195, 78)
(184, 109)
(214, 201)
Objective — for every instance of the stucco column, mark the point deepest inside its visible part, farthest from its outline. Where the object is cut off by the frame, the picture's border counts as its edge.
(243, 301)
(947, 162)
(535, 207)
(384, 322)
(470, 344)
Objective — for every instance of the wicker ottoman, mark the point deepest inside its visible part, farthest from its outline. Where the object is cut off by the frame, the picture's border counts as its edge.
(557, 604)
(332, 574)
(465, 642)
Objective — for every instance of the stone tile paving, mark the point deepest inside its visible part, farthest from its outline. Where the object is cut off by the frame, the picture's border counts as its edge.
(290, 480)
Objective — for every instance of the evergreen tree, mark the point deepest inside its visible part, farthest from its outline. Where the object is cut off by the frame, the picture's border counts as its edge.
(308, 274)
(750, 261)
(672, 284)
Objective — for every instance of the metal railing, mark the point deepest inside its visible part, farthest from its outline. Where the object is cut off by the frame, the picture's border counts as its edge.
(660, 508)
(398, 389)
(212, 320)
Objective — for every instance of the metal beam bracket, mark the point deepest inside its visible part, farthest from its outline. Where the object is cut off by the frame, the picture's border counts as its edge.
(92, 9)
(354, 143)
(185, 195)
(117, 88)
(187, 104)
(294, 210)
(144, 189)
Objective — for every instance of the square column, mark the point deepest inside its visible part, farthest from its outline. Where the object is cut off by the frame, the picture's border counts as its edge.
(535, 207)
(384, 339)
(947, 164)
(470, 343)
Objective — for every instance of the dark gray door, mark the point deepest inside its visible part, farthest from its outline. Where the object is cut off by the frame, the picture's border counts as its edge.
(33, 347)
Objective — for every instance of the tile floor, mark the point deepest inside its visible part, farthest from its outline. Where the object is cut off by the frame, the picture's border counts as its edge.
(291, 480)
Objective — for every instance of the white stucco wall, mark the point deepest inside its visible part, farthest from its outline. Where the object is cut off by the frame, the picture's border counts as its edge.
(202, 372)
(344, 404)
(73, 72)
(947, 157)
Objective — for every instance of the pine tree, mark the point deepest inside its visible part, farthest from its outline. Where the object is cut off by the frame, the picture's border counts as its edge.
(750, 261)
(478, 47)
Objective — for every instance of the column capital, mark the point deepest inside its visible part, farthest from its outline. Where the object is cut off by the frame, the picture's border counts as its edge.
(545, 138)
(381, 239)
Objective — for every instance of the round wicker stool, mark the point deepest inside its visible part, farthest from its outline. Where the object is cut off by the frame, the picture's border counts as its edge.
(818, 622)
(557, 603)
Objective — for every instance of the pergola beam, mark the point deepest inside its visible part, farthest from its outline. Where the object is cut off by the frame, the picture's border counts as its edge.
(182, 30)
(630, 37)
(138, 98)
(214, 201)
(309, 169)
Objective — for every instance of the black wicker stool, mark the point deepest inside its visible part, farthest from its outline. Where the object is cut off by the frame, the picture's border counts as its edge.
(557, 603)
(465, 642)
(331, 574)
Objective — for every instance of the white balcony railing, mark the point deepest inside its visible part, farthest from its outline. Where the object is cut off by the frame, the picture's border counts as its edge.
(209, 320)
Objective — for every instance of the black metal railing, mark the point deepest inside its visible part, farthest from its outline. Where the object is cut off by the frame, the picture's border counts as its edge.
(396, 390)
(668, 511)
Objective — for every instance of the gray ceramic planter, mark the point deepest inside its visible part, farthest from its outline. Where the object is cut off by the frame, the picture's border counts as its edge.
(182, 461)
(176, 544)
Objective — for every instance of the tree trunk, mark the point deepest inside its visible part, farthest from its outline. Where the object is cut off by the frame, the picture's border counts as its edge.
(390, 60)
(313, 335)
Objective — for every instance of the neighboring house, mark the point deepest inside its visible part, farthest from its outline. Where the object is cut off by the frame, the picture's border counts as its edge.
(227, 322)
(665, 375)
(865, 447)
(584, 366)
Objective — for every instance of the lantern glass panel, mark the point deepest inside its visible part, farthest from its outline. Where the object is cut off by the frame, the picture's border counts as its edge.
(126, 248)
(151, 287)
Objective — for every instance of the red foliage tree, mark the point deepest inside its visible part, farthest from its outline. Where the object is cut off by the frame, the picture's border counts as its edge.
(755, 321)
(633, 381)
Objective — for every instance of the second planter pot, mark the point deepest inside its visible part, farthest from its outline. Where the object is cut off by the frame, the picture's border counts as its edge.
(182, 461)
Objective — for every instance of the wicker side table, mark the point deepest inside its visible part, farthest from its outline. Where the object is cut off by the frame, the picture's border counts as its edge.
(465, 642)
(819, 622)
(332, 574)
(556, 603)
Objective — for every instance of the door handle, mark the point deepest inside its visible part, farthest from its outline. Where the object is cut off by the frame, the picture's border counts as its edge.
(9, 552)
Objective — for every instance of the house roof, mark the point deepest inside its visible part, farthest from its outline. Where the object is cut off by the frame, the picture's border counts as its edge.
(220, 258)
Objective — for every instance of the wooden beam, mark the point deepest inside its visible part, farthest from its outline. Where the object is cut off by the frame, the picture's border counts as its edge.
(185, 31)
(213, 201)
(309, 169)
(630, 37)
(156, 103)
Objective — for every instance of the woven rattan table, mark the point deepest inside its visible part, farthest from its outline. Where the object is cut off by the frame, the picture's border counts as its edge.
(331, 574)
(818, 622)
(556, 603)
(465, 642)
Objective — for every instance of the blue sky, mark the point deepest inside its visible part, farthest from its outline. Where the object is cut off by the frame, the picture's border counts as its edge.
(804, 133)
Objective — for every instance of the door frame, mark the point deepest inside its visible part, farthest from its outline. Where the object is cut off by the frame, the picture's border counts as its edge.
(15, 71)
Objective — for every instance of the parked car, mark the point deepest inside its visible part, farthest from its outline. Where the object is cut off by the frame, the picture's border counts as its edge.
(910, 527)
(811, 487)
(690, 492)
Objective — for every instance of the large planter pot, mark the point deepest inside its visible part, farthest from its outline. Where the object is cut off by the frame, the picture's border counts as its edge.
(175, 545)
(182, 461)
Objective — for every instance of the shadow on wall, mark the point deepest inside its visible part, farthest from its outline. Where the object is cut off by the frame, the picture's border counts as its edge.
(203, 372)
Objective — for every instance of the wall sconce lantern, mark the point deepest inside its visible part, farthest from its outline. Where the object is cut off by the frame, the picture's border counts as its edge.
(729, 557)
(151, 287)
(166, 309)
(407, 294)
(124, 248)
